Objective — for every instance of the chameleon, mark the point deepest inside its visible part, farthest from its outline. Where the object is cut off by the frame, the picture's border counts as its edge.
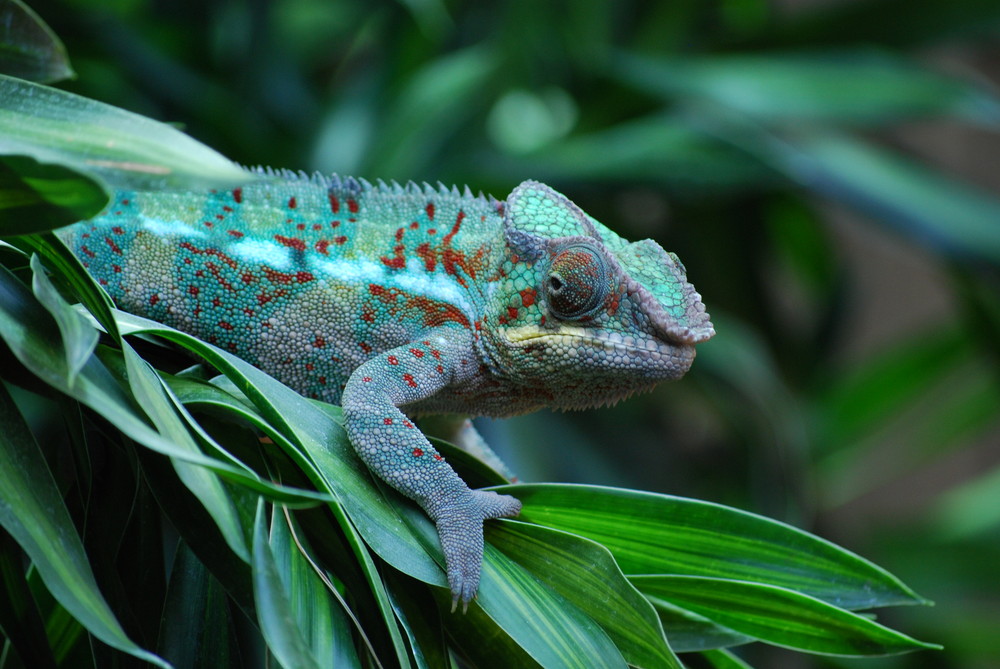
(395, 301)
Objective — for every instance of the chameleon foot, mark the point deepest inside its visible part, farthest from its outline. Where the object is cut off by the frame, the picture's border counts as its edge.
(460, 528)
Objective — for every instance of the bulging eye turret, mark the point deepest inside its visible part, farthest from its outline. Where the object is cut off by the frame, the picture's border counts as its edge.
(577, 282)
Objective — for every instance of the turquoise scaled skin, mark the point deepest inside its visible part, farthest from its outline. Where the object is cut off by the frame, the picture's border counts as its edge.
(399, 300)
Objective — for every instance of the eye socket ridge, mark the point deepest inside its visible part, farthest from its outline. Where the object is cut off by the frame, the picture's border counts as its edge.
(577, 283)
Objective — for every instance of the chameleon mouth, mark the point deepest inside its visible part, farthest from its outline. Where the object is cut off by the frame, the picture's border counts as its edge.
(599, 339)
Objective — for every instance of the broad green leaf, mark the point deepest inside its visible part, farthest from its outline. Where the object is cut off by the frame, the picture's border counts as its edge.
(124, 149)
(28, 48)
(553, 631)
(779, 616)
(650, 533)
(274, 607)
(32, 511)
(79, 337)
(848, 87)
(35, 197)
(585, 574)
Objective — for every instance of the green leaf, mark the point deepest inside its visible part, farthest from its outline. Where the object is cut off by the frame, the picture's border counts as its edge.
(326, 630)
(195, 631)
(28, 48)
(274, 606)
(79, 337)
(124, 149)
(779, 616)
(30, 333)
(586, 575)
(32, 511)
(723, 659)
(848, 87)
(36, 197)
(687, 631)
(659, 534)
(20, 620)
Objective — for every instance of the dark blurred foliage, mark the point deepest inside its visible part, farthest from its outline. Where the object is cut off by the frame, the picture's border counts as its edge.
(823, 169)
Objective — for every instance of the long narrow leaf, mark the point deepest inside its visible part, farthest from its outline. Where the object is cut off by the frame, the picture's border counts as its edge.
(659, 534)
(32, 511)
(780, 616)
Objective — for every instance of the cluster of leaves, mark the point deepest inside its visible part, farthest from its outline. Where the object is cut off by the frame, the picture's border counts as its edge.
(711, 103)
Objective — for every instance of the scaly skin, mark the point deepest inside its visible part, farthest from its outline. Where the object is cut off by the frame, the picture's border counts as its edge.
(394, 301)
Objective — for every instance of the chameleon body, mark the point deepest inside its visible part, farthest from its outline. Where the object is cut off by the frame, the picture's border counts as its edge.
(400, 300)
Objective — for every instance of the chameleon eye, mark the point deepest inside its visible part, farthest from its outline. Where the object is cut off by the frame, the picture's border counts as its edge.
(577, 282)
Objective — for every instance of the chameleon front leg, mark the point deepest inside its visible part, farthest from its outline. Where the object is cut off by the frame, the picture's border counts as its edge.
(392, 447)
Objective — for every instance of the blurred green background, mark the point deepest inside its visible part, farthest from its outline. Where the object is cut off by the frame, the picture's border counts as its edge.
(829, 171)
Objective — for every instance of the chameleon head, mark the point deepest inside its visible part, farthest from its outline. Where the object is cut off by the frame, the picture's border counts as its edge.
(583, 316)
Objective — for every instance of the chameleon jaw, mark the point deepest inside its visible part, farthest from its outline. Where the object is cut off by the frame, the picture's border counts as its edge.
(591, 338)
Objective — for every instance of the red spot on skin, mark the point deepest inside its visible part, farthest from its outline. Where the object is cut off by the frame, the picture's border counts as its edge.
(226, 208)
(291, 242)
(399, 234)
(125, 202)
(322, 246)
(427, 255)
(153, 299)
(225, 325)
(193, 290)
(395, 263)
(365, 347)
(335, 224)
(432, 231)
(528, 296)
(292, 203)
(235, 233)
(208, 224)
(220, 217)
(339, 240)
(238, 195)
(88, 252)
(114, 247)
(414, 225)
(300, 226)
(438, 457)
(216, 302)
(310, 367)
(248, 277)
(117, 269)
(407, 423)
(304, 277)
(430, 211)
(436, 353)
(274, 276)
(409, 380)
(352, 205)
(319, 342)
(317, 227)
(417, 452)
(439, 369)
(417, 353)
(387, 421)
(366, 379)
(368, 315)
(118, 230)
(322, 380)
(264, 298)
(334, 203)
(512, 313)
(188, 246)
(392, 360)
